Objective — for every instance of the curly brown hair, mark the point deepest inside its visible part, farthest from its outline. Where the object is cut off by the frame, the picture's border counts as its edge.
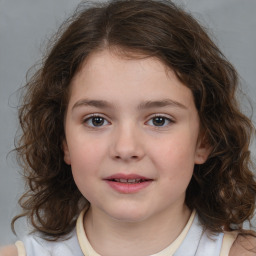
(222, 190)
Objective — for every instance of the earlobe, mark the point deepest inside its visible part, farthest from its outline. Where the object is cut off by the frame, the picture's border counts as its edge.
(203, 150)
(67, 159)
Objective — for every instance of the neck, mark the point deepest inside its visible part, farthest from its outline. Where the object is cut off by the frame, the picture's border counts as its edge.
(110, 237)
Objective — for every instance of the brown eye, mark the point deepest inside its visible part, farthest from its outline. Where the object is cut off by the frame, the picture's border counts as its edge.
(159, 121)
(95, 121)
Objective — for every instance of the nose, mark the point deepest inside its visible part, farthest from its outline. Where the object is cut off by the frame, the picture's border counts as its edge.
(127, 144)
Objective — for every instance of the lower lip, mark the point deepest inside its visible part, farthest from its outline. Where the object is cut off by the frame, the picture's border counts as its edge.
(128, 188)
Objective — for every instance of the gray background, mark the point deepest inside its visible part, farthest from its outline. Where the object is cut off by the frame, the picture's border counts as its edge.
(25, 26)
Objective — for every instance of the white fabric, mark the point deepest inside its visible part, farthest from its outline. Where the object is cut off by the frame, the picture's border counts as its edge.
(197, 242)
(200, 242)
(36, 246)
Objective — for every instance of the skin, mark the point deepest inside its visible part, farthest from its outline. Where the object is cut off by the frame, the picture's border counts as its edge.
(129, 142)
(9, 250)
(244, 246)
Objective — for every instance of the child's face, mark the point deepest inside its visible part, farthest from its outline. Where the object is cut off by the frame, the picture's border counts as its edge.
(130, 120)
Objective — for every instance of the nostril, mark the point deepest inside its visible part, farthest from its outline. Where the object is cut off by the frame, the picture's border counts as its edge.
(126, 157)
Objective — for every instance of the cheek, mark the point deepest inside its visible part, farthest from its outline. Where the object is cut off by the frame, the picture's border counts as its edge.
(85, 166)
(175, 156)
(85, 156)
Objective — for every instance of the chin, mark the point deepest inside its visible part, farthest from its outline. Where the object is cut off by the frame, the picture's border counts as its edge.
(128, 215)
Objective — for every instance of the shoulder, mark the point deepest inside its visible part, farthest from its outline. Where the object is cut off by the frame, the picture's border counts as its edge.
(35, 244)
(9, 250)
(244, 245)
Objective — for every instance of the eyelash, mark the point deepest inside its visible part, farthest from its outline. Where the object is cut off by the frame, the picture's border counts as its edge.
(168, 119)
(90, 119)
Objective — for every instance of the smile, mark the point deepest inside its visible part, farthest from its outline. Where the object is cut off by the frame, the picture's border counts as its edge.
(128, 184)
(131, 181)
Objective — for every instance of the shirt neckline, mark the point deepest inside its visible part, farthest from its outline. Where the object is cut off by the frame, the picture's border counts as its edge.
(89, 251)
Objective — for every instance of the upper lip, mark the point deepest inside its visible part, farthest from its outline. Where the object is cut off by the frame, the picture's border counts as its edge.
(127, 177)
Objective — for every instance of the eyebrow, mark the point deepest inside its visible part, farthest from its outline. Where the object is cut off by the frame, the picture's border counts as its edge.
(92, 103)
(144, 105)
(161, 103)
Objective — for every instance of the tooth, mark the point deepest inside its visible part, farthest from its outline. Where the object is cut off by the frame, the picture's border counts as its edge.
(128, 180)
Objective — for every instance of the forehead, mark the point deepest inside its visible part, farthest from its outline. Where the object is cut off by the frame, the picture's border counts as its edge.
(107, 74)
(120, 59)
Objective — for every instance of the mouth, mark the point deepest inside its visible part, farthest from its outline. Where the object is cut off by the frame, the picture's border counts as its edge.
(129, 181)
(127, 184)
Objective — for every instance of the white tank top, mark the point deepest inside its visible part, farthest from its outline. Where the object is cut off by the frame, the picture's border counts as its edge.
(192, 241)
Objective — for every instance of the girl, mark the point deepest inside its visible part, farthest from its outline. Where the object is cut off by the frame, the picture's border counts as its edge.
(133, 142)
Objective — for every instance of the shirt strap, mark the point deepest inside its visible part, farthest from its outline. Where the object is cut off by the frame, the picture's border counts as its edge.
(21, 249)
(228, 240)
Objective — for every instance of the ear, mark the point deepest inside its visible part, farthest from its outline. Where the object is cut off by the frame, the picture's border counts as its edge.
(203, 150)
(65, 149)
